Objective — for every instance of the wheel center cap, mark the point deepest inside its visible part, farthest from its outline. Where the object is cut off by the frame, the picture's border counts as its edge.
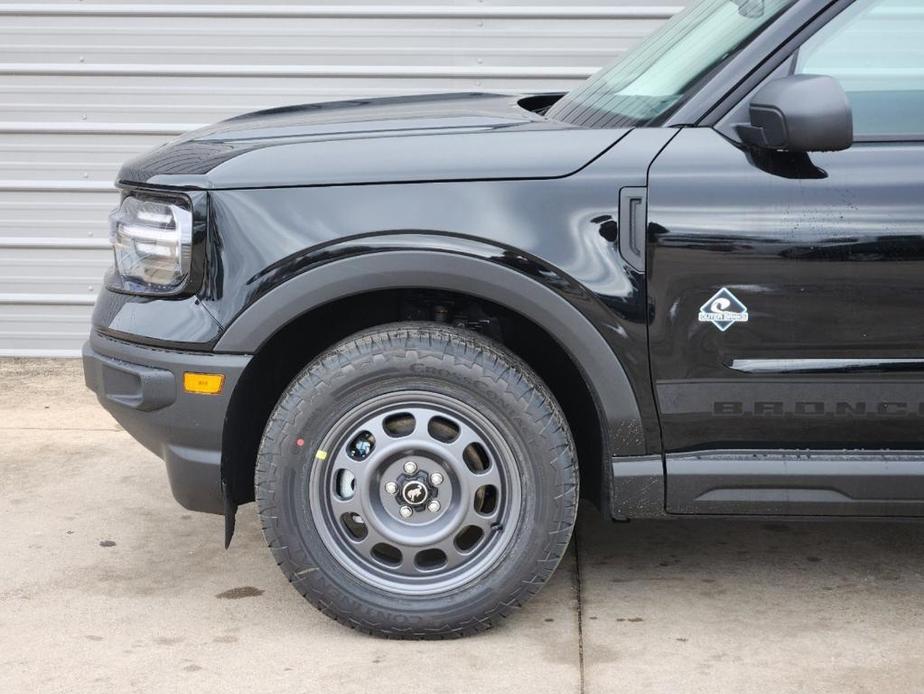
(415, 493)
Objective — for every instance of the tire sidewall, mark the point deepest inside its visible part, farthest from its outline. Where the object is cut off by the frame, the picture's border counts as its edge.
(443, 362)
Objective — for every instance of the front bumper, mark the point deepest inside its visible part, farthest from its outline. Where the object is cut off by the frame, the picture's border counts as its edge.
(142, 388)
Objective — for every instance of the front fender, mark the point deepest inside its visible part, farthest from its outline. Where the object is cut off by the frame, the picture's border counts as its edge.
(540, 247)
(456, 272)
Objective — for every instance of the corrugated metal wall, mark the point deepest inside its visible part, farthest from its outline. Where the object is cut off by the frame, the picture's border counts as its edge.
(84, 86)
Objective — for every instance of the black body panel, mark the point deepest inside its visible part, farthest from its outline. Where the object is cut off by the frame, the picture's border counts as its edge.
(620, 244)
(391, 268)
(547, 232)
(442, 137)
(176, 323)
(827, 253)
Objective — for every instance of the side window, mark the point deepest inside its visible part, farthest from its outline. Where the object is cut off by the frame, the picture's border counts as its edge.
(875, 49)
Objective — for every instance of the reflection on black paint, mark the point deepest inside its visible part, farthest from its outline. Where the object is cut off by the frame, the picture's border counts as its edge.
(830, 268)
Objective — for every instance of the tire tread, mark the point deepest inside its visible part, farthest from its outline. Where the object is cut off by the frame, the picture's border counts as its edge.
(453, 345)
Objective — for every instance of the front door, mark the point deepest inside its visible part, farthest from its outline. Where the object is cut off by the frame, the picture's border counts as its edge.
(787, 297)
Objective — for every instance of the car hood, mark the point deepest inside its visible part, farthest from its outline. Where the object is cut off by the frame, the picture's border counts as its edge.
(404, 139)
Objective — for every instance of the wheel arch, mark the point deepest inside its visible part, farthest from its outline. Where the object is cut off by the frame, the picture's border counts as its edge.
(344, 295)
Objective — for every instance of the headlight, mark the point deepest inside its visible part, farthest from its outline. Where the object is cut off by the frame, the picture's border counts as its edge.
(152, 240)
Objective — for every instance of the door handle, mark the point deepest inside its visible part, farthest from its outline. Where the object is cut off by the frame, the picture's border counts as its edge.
(633, 221)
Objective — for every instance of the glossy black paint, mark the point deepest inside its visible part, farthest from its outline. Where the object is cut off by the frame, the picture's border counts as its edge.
(827, 253)
(175, 323)
(393, 267)
(543, 230)
(825, 250)
(446, 137)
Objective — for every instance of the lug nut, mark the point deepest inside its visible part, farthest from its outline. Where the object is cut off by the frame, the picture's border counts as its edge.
(391, 488)
(410, 467)
(433, 506)
(406, 512)
(436, 479)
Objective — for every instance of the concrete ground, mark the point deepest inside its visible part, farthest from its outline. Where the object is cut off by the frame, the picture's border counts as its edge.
(106, 584)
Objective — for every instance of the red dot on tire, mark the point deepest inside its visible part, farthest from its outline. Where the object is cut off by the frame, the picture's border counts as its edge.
(299, 442)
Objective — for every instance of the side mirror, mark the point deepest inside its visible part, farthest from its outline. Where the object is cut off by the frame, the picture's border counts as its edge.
(800, 113)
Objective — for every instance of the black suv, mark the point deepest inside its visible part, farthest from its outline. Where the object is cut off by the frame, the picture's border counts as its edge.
(416, 330)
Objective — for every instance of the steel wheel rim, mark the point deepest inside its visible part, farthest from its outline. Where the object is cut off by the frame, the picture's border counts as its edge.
(433, 549)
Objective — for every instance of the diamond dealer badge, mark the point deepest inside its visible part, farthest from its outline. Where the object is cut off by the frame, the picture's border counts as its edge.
(723, 310)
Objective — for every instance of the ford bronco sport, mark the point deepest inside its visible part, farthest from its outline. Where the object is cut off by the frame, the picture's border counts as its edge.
(416, 330)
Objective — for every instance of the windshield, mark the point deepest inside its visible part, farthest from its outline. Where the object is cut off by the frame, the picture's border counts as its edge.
(657, 76)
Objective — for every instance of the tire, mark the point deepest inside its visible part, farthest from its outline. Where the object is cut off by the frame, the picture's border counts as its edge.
(385, 424)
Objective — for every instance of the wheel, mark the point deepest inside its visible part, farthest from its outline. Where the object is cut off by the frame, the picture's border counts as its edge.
(417, 481)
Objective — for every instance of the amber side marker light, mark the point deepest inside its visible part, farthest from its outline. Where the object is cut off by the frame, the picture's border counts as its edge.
(203, 384)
